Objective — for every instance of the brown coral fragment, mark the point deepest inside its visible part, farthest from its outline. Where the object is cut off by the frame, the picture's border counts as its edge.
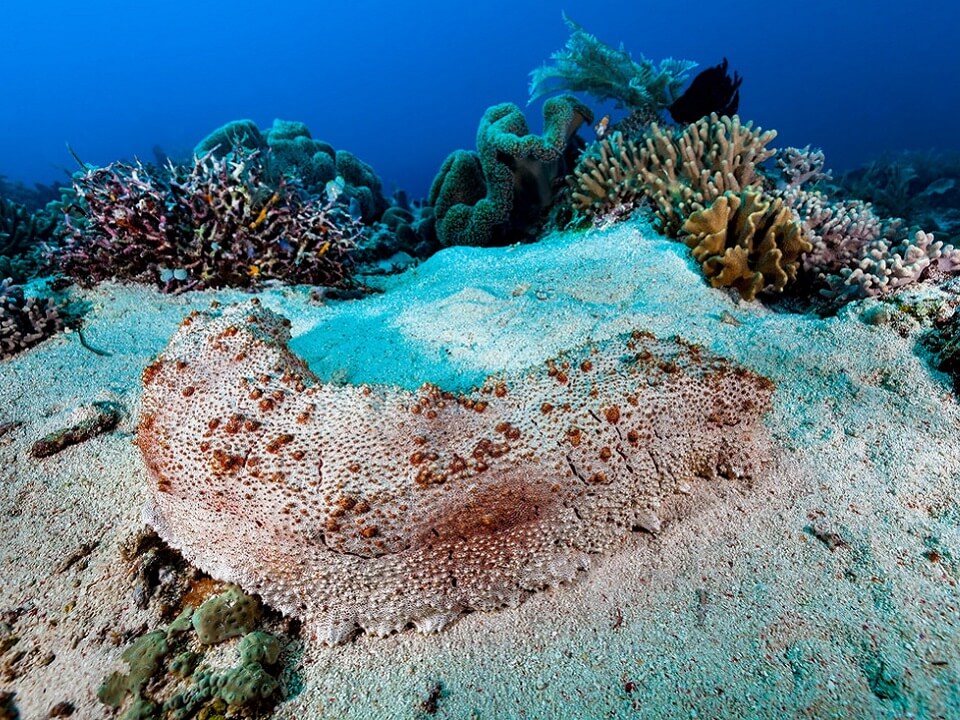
(372, 515)
(747, 241)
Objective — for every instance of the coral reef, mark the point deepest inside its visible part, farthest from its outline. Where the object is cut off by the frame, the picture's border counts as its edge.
(685, 170)
(854, 252)
(747, 241)
(887, 263)
(921, 188)
(499, 194)
(289, 151)
(590, 66)
(377, 507)
(24, 321)
(22, 233)
(216, 223)
(680, 171)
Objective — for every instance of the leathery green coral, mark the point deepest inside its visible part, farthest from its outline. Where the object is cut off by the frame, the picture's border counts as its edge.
(497, 194)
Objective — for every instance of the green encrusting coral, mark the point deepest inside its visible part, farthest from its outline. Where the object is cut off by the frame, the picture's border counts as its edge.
(168, 679)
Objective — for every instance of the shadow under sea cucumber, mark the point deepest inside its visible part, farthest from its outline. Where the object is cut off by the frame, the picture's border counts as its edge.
(377, 507)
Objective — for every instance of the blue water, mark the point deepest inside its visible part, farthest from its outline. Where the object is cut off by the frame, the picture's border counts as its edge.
(403, 84)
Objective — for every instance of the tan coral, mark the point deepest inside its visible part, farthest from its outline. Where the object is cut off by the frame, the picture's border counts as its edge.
(606, 179)
(747, 241)
(686, 171)
(378, 507)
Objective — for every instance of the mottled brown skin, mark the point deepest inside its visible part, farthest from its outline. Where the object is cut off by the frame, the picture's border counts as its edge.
(377, 507)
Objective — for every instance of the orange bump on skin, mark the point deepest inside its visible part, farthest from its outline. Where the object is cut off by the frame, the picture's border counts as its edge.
(612, 414)
(188, 391)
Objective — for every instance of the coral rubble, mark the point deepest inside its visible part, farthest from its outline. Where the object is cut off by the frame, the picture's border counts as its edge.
(376, 507)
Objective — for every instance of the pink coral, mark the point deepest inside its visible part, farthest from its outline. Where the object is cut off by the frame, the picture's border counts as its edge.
(377, 507)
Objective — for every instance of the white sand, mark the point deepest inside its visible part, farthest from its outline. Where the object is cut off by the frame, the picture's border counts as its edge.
(733, 611)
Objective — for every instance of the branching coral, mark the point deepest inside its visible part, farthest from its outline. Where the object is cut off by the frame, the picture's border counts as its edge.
(747, 241)
(24, 321)
(496, 195)
(215, 223)
(590, 66)
(606, 181)
(681, 171)
(287, 150)
(684, 171)
(378, 507)
(857, 254)
(801, 167)
(21, 235)
(886, 264)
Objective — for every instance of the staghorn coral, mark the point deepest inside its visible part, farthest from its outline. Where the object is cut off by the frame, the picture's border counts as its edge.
(24, 321)
(498, 194)
(215, 223)
(684, 171)
(747, 241)
(377, 507)
(590, 66)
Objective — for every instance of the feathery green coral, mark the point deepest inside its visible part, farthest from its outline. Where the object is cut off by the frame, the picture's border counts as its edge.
(590, 66)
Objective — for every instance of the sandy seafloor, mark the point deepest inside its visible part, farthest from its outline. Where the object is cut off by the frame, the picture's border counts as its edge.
(736, 610)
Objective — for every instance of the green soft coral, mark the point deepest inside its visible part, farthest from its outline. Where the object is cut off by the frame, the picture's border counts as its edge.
(590, 66)
(497, 194)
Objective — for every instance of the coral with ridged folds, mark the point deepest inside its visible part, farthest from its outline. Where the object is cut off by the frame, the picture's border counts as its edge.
(378, 507)
(25, 321)
(498, 194)
(747, 241)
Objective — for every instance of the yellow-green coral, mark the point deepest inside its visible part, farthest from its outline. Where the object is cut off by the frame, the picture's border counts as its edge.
(683, 172)
(747, 241)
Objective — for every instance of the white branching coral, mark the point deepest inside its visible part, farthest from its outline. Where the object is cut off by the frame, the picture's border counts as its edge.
(378, 507)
